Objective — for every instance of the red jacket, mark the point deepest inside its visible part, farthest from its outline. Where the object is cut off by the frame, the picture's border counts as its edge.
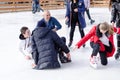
(94, 38)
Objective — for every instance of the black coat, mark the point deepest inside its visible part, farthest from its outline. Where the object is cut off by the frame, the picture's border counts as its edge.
(43, 45)
(116, 13)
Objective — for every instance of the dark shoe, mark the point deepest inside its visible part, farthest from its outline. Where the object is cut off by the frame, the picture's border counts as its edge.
(64, 60)
(117, 56)
(92, 21)
(68, 61)
(66, 22)
(83, 45)
(70, 43)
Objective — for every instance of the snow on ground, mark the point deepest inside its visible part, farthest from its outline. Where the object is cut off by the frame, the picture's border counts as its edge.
(13, 66)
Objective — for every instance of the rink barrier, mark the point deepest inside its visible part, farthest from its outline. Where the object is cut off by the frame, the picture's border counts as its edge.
(52, 4)
(15, 5)
(100, 3)
(26, 5)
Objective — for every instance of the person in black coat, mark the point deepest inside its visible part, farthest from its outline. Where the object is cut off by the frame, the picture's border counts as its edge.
(44, 43)
(76, 15)
(54, 25)
(115, 18)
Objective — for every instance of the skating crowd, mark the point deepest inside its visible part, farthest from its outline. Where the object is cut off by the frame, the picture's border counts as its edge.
(48, 50)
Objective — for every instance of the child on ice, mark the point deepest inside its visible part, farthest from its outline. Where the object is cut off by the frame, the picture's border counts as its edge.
(25, 43)
(101, 41)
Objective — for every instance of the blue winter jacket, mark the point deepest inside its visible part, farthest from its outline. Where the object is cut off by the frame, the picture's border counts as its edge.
(81, 10)
(52, 23)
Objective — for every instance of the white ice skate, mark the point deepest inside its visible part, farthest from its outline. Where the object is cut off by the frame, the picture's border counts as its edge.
(93, 62)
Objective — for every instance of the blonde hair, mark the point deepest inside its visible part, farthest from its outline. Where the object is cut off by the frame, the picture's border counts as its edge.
(106, 27)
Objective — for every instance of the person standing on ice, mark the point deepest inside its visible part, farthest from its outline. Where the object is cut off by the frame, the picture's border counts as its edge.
(115, 18)
(36, 6)
(101, 41)
(87, 6)
(76, 14)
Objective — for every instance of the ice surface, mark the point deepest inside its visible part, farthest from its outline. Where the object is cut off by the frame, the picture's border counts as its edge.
(13, 65)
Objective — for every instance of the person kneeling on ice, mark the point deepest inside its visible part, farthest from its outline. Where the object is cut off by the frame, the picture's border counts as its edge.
(44, 44)
(25, 45)
(101, 41)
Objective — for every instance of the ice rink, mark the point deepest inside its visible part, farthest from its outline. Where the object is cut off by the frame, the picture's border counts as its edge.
(13, 65)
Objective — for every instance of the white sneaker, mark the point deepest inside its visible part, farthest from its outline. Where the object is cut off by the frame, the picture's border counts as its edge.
(93, 62)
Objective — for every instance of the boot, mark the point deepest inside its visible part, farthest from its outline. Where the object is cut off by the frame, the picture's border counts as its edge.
(93, 62)
(83, 45)
(62, 57)
(117, 55)
(70, 43)
(92, 21)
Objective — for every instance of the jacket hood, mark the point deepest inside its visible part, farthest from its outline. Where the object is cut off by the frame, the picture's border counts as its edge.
(21, 37)
(41, 32)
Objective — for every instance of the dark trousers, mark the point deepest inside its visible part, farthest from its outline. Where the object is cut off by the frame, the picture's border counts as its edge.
(118, 43)
(103, 54)
(61, 54)
(88, 13)
(59, 50)
(73, 25)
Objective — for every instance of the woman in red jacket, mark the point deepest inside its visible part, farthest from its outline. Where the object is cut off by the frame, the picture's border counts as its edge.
(101, 41)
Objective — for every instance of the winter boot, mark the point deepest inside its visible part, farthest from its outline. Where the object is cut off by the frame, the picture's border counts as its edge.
(117, 55)
(64, 59)
(83, 45)
(70, 43)
(92, 21)
(93, 62)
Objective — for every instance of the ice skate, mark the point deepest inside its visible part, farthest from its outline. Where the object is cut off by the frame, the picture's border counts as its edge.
(117, 56)
(93, 62)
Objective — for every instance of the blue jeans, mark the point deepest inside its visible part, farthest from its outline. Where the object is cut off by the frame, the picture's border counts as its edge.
(36, 7)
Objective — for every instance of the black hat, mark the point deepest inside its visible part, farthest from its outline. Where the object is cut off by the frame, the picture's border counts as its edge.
(21, 37)
(41, 24)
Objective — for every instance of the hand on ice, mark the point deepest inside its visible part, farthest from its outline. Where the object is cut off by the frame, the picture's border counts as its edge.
(75, 48)
(33, 65)
(28, 57)
(68, 56)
